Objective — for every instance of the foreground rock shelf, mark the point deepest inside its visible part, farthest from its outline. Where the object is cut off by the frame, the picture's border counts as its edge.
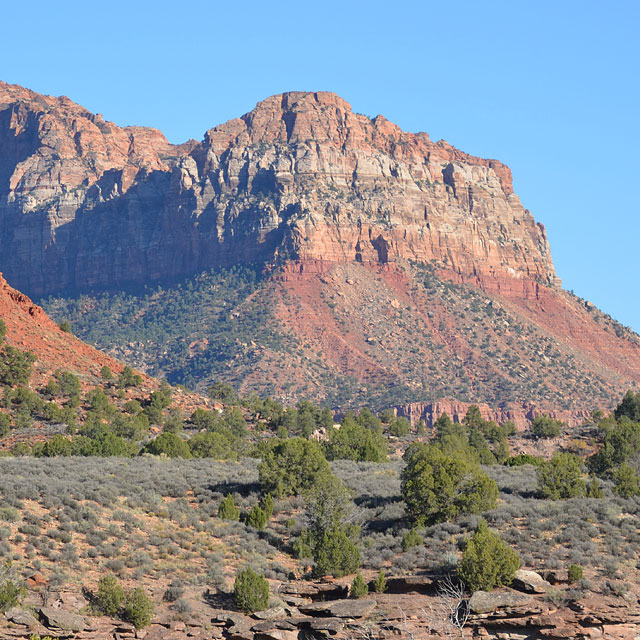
(504, 614)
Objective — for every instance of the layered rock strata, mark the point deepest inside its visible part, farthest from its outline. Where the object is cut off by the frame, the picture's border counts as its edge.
(87, 204)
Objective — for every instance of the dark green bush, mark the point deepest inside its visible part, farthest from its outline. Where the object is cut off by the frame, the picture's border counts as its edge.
(411, 539)
(291, 467)
(110, 595)
(228, 510)
(354, 441)
(359, 587)
(251, 591)
(522, 459)
(546, 427)
(222, 392)
(10, 595)
(267, 506)
(106, 373)
(380, 583)
(487, 561)
(575, 573)
(138, 608)
(257, 518)
(128, 378)
(561, 478)
(213, 445)
(170, 445)
(626, 481)
(437, 487)
(15, 365)
(5, 425)
(335, 553)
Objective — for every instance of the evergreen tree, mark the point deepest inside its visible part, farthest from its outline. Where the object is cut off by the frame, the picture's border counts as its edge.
(251, 591)
(228, 510)
(561, 477)
(437, 487)
(359, 587)
(291, 467)
(487, 561)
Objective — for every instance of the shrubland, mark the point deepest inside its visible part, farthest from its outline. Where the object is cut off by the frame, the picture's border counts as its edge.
(116, 489)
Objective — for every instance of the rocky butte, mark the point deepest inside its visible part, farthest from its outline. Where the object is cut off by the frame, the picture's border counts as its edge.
(88, 204)
(340, 208)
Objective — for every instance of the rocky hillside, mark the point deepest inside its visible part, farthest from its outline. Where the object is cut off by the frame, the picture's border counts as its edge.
(389, 269)
(30, 329)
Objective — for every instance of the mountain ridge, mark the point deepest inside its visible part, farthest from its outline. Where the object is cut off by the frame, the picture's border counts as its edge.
(344, 216)
(301, 176)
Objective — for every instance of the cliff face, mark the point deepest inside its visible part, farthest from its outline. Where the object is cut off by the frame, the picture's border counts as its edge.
(400, 269)
(86, 204)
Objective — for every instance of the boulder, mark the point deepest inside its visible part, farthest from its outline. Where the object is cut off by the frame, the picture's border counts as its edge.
(529, 582)
(556, 576)
(276, 634)
(284, 624)
(294, 600)
(64, 620)
(486, 602)
(19, 616)
(408, 584)
(270, 614)
(332, 625)
(340, 608)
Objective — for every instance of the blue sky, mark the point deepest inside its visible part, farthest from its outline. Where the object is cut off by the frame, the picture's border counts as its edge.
(549, 88)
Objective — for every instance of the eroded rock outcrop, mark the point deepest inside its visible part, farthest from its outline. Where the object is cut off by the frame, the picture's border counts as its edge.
(336, 206)
(85, 204)
(521, 415)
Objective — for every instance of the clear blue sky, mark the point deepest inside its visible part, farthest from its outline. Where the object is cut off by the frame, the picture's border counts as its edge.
(550, 88)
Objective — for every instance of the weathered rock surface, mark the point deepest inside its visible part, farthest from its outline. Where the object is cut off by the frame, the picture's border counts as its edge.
(84, 203)
(500, 615)
(59, 619)
(20, 616)
(270, 614)
(488, 601)
(521, 416)
(530, 582)
(307, 186)
(340, 608)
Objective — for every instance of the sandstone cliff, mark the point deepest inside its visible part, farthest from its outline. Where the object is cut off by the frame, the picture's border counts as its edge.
(86, 204)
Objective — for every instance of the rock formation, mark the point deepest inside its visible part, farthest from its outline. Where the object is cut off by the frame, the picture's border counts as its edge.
(360, 226)
(85, 204)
